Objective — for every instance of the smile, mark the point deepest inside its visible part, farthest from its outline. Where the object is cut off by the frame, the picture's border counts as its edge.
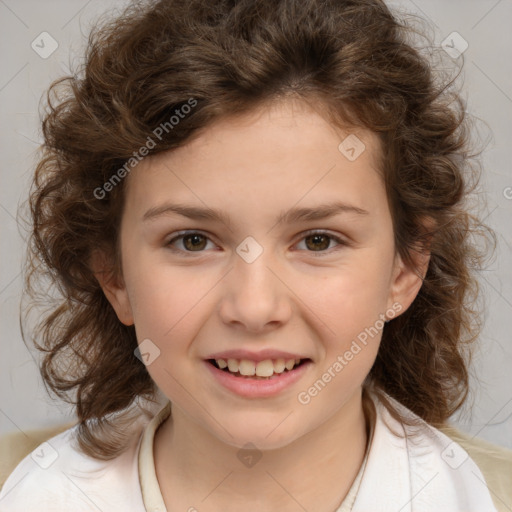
(253, 379)
(264, 369)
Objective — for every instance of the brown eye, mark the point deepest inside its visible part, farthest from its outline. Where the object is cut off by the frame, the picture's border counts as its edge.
(189, 242)
(318, 242)
(194, 242)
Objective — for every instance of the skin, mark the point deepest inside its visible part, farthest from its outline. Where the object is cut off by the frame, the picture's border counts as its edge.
(293, 297)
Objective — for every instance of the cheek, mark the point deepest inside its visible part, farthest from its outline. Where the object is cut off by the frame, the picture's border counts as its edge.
(166, 309)
(164, 297)
(352, 295)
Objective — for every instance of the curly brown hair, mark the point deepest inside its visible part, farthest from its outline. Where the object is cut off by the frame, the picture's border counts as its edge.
(351, 56)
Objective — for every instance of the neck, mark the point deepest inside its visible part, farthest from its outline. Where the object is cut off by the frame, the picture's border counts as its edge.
(315, 471)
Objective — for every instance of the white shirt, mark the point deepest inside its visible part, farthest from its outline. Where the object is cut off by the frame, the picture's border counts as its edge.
(408, 473)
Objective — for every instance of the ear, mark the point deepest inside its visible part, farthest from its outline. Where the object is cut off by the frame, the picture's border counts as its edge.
(113, 287)
(407, 281)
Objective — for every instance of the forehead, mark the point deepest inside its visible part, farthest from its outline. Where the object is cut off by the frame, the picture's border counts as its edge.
(275, 129)
(280, 152)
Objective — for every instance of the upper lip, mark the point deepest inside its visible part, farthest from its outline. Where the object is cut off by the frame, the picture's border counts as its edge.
(255, 356)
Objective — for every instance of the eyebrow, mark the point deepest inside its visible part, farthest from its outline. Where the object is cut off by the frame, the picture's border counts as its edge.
(293, 215)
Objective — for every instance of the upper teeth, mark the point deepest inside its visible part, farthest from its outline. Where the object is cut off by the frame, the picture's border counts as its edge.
(264, 368)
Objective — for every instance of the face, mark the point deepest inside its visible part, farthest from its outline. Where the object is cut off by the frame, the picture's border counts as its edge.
(299, 263)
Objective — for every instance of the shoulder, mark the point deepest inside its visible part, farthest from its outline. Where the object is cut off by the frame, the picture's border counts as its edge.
(495, 463)
(431, 467)
(15, 446)
(57, 476)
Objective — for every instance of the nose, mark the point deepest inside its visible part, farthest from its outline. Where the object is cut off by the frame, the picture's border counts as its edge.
(255, 296)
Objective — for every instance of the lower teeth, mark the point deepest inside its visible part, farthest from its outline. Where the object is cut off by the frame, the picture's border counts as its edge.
(255, 376)
(238, 374)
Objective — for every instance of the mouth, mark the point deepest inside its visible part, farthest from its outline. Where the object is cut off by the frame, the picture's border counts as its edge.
(262, 370)
(257, 375)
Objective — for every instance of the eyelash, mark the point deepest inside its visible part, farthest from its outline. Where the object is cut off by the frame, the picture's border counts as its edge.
(307, 234)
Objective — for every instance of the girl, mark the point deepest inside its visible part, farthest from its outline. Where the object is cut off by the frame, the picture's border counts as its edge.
(254, 212)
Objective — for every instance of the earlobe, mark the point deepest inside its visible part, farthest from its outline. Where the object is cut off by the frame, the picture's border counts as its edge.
(113, 287)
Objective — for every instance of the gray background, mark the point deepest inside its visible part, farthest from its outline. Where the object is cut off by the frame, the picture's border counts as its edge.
(487, 75)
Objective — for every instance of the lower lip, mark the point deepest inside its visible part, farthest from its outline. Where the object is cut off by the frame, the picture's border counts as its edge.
(258, 388)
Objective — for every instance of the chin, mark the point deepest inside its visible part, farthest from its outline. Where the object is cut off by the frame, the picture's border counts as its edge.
(262, 435)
